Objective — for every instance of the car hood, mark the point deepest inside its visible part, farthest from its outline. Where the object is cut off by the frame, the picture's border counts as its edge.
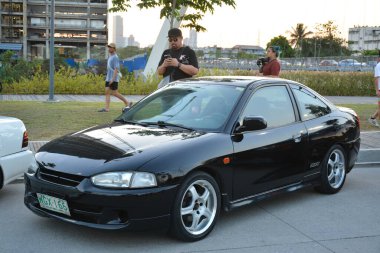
(109, 148)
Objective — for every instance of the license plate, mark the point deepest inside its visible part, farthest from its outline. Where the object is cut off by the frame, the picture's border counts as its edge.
(53, 204)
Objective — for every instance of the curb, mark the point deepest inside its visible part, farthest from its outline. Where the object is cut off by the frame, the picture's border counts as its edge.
(367, 164)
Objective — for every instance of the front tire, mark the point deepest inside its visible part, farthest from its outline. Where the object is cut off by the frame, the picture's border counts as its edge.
(333, 171)
(196, 207)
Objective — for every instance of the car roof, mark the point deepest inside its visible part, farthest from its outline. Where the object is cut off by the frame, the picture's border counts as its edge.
(240, 81)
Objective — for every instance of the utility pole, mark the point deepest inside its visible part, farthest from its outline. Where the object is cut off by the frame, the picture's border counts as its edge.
(51, 65)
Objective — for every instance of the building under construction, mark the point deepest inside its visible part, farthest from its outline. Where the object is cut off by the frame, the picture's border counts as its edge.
(79, 24)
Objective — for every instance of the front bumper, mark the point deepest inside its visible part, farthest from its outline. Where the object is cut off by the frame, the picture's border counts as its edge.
(104, 208)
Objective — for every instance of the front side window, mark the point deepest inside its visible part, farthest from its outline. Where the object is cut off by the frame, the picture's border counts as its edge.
(202, 107)
(311, 106)
(273, 104)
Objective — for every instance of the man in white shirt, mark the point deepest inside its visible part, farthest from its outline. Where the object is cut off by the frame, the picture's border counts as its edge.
(372, 120)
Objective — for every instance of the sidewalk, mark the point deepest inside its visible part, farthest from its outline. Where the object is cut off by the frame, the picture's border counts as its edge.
(369, 154)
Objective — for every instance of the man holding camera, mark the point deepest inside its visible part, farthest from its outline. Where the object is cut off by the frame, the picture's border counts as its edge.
(177, 62)
(270, 66)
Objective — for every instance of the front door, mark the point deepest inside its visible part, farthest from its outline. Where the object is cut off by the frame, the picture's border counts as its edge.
(273, 157)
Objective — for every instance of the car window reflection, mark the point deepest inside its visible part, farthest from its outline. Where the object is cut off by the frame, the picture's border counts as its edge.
(310, 106)
(206, 107)
(273, 104)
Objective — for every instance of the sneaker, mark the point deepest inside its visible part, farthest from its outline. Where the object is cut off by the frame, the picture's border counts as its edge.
(103, 110)
(125, 109)
(373, 122)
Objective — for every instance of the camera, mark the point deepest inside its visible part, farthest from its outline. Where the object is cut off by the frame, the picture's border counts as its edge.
(262, 61)
(167, 56)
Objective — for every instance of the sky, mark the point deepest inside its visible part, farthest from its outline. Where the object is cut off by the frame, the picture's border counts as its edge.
(255, 22)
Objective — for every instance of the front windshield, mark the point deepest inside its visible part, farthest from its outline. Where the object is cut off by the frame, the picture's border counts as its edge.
(192, 105)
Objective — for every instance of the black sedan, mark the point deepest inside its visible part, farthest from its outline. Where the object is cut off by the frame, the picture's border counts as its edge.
(192, 148)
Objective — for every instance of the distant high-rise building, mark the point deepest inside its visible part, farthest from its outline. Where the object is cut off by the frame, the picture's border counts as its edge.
(118, 31)
(193, 41)
(132, 42)
(364, 38)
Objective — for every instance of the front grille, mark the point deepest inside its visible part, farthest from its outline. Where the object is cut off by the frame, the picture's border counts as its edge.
(59, 177)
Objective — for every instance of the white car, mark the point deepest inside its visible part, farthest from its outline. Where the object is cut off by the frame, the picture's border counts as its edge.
(15, 156)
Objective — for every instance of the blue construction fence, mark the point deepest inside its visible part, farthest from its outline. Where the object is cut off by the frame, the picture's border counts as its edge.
(131, 64)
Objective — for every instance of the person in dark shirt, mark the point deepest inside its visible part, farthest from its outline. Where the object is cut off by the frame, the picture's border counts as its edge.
(178, 61)
(272, 67)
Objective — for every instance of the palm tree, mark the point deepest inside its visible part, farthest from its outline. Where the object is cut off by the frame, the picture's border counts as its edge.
(298, 35)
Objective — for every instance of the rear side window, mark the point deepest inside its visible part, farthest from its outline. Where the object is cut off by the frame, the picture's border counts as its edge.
(310, 106)
(273, 104)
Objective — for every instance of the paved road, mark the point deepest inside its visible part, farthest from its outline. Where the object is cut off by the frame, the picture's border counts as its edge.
(298, 222)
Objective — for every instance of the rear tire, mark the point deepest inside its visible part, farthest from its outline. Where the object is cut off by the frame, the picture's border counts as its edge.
(196, 207)
(333, 171)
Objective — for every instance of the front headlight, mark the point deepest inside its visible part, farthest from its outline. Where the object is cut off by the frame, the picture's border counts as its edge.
(143, 179)
(125, 180)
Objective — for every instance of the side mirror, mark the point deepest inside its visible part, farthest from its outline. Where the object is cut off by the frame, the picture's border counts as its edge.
(252, 123)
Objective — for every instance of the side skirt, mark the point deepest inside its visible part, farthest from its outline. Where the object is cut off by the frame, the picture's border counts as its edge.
(229, 205)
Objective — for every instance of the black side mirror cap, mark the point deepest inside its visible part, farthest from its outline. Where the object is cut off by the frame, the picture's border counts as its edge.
(252, 123)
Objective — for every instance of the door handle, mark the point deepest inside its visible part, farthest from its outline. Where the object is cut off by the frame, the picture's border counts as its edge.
(297, 138)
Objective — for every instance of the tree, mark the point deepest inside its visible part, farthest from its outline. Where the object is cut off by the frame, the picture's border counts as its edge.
(283, 43)
(371, 52)
(200, 53)
(328, 30)
(323, 47)
(13, 68)
(298, 35)
(329, 40)
(171, 8)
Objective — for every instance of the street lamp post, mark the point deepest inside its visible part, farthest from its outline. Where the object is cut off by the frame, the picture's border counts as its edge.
(51, 65)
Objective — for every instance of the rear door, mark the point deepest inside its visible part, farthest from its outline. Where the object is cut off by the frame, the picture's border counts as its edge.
(323, 130)
(273, 157)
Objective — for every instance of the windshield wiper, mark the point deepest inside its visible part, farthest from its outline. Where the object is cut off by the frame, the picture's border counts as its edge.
(161, 123)
(131, 122)
(164, 124)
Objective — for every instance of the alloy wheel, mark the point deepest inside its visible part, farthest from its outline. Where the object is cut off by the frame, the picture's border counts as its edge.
(336, 169)
(198, 207)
